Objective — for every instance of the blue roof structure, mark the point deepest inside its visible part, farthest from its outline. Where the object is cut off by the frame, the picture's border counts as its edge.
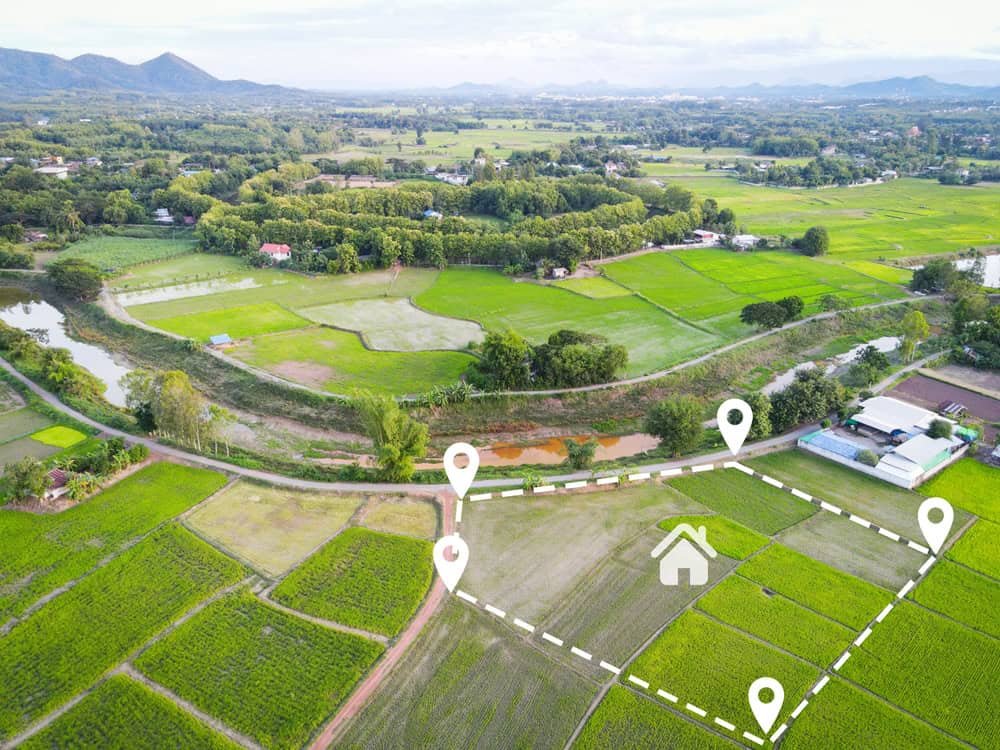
(830, 442)
(222, 338)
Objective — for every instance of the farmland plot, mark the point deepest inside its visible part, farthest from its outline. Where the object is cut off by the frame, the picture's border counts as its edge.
(123, 714)
(42, 552)
(46, 659)
(963, 595)
(968, 484)
(238, 322)
(362, 578)
(727, 537)
(270, 675)
(122, 252)
(979, 548)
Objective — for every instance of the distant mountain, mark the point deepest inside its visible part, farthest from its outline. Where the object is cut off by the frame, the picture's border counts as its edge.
(24, 72)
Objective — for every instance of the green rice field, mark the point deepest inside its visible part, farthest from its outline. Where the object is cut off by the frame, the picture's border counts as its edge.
(968, 484)
(122, 252)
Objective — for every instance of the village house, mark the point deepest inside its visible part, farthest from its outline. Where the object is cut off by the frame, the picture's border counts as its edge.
(58, 485)
(162, 216)
(706, 237)
(59, 172)
(275, 252)
(744, 241)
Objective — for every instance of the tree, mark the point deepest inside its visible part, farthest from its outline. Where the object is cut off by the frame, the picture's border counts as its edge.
(505, 360)
(76, 278)
(764, 314)
(915, 330)
(26, 479)
(347, 259)
(831, 302)
(939, 428)
(121, 208)
(398, 438)
(816, 241)
(810, 397)
(793, 306)
(937, 275)
(68, 220)
(167, 401)
(677, 422)
(580, 455)
(760, 405)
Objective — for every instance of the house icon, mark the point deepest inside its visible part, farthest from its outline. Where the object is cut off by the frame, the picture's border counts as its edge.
(684, 555)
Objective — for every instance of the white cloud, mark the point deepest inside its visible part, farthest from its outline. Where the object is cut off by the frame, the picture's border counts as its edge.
(403, 43)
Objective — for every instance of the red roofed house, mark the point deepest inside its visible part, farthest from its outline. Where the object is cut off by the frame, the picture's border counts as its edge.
(276, 252)
(58, 487)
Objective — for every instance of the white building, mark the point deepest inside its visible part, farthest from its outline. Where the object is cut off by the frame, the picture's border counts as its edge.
(57, 171)
(745, 241)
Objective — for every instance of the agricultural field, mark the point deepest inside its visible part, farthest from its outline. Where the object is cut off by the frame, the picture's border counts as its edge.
(728, 538)
(745, 499)
(21, 423)
(842, 717)
(468, 682)
(18, 428)
(596, 287)
(272, 528)
(59, 436)
(934, 668)
(238, 322)
(113, 253)
(970, 485)
(979, 548)
(962, 595)
(838, 596)
(746, 606)
(624, 719)
(122, 714)
(46, 659)
(408, 516)
(362, 578)
(710, 665)
(184, 268)
(270, 675)
(898, 219)
(46, 551)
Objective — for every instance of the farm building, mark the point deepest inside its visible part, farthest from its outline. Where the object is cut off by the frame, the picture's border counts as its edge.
(162, 216)
(744, 241)
(276, 252)
(58, 484)
(896, 433)
(59, 172)
(432, 214)
(559, 273)
(220, 340)
(707, 237)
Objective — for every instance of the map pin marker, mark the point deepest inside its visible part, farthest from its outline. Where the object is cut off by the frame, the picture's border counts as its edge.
(734, 434)
(461, 478)
(451, 570)
(935, 532)
(766, 713)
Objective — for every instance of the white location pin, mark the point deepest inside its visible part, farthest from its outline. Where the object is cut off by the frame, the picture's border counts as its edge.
(935, 532)
(461, 478)
(734, 434)
(451, 570)
(766, 713)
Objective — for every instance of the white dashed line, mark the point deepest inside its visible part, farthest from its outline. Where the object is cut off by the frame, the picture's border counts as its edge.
(753, 738)
(799, 708)
(670, 472)
(483, 496)
(494, 611)
(611, 668)
(863, 637)
(778, 732)
(667, 696)
(724, 724)
(740, 467)
(889, 534)
(468, 597)
(906, 589)
(702, 467)
(884, 612)
(576, 485)
(544, 488)
(841, 661)
(771, 481)
(581, 653)
(695, 710)
(511, 493)
(821, 684)
(860, 521)
(458, 513)
(641, 683)
(830, 508)
(927, 563)
(918, 547)
(638, 477)
(552, 639)
(523, 625)
(609, 480)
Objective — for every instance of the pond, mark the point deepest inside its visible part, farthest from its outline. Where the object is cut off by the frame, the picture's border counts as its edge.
(24, 310)
(182, 291)
(885, 344)
(991, 269)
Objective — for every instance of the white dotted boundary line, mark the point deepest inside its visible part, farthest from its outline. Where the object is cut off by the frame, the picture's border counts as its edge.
(606, 666)
(862, 637)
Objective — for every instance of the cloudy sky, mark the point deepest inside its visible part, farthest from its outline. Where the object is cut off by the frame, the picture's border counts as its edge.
(409, 43)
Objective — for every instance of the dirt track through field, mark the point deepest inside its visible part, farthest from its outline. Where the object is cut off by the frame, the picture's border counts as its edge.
(359, 698)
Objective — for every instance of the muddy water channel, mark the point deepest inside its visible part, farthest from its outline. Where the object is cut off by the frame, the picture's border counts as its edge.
(22, 309)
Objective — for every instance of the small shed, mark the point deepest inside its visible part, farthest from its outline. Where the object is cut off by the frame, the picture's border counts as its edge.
(221, 339)
(58, 486)
(560, 273)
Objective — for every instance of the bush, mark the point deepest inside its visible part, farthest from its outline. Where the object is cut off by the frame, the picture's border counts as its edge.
(826, 423)
(677, 422)
(867, 457)
(939, 428)
(580, 455)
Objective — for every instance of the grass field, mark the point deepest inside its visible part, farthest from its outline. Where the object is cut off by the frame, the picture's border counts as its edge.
(728, 538)
(59, 436)
(362, 578)
(886, 505)
(839, 596)
(514, 539)
(626, 720)
(745, 499)
(272, 528)
(904, 662)
(396, 325)
(238, 322)
(748, 607)
(970, 485)
(337, 361)
(18, 449)
(123, 714)
(21, 423)
(122, 252)
(979, 548)
(79, 635)
(842, 717)
(712, 666)
(403, 515)
(467, 682)
(901, 218)
(843, 544)
(190, 267)
(597, 287)
(42, 552)
(268, 674)
(963, 595)
(653, 338)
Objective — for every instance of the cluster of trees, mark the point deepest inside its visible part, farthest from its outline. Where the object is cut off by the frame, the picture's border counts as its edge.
(869, 365)
(567, 359)
(784, 145)
(978, 327)
(772, 314)
(10, 257)
(398, 437)
(75, 277)
(54, 367)
(816, 173)
(941, 275)
(816, 241)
